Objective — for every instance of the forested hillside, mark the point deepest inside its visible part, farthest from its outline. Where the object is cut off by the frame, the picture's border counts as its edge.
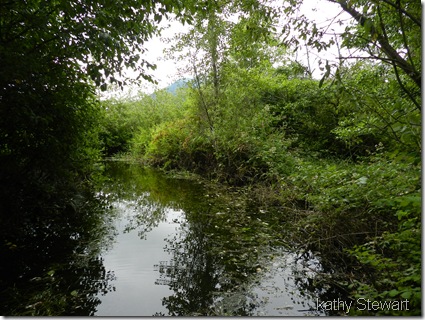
(342, 149)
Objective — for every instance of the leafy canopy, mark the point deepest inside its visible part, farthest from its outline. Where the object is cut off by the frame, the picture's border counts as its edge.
(98, 38)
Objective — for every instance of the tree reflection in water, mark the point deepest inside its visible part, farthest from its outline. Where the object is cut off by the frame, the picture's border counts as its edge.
(219, 257)
(54, 266)
(192, 274)
(215, 249)
(146, 195)
(228, 253)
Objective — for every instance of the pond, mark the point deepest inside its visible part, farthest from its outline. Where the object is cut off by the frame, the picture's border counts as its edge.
(150, 244)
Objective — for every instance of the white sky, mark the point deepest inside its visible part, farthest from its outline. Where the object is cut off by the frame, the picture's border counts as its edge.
(166, 72)
(324, 13)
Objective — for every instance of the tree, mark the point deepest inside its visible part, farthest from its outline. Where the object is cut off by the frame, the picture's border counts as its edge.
(386, 31)
(391, 28)
(98, 38)
(238, 34)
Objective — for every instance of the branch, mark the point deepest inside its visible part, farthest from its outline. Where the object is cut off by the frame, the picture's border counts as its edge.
(403, 87)
(405, 38)
(401, 10)
(385, 46)
(198, 83)
(370, 58)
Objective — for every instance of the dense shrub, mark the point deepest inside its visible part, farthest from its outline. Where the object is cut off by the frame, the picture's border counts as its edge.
(368, 214)
(127, 123)
(117, 126)
(393, 260)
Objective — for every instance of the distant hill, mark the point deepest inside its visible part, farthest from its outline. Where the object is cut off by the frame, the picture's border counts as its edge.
(181, 83)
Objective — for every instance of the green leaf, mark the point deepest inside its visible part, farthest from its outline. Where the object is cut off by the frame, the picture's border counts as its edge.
(406, 294)
(393, 293)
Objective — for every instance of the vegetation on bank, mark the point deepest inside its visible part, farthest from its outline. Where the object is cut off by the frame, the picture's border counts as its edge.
(345, 150)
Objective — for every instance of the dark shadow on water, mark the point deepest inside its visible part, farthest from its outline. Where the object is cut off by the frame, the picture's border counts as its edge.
(50, 262)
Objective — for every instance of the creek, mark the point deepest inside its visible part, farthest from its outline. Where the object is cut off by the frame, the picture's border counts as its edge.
(152, 244)
(181, 249)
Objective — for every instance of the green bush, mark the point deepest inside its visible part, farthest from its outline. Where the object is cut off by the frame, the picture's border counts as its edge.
(117, 126)
(173, 145)
(393, 260)
(369, 214)
(127, 123)
(373, 109)
(308, 114)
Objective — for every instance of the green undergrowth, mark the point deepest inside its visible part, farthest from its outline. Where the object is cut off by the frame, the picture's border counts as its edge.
(364, 219)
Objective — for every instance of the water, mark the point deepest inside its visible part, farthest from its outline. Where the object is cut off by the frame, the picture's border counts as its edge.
(133, 261)
(178, 254)
(147, 244)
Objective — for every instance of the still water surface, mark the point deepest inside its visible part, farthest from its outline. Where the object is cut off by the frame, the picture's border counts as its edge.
(180, 248)
(149, 244)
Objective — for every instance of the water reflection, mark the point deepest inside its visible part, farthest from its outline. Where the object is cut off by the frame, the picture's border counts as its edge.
(182, 250)
(226, 262)
(52, 265)
(145, 245)
(132, 261)
(146, 207)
